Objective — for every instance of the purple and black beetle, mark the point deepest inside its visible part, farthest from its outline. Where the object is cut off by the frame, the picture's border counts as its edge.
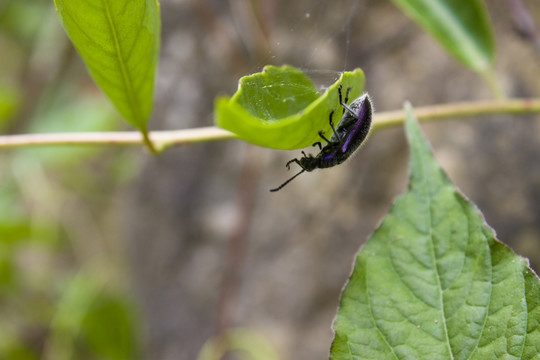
(351, 131)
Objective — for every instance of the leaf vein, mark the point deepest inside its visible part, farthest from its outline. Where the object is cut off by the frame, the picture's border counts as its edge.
(122, 64)
(377, 328)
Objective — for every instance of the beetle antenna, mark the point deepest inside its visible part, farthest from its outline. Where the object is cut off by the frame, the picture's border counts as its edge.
(286, 182)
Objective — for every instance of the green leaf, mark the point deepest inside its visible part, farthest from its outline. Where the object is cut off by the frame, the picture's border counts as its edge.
(462, 27)
(7, 271)
(244, 343)
(119, 43)
(92, 313)
(433, 282)
(280, 108)
(19, 351)
(10, 101)
(109, 328)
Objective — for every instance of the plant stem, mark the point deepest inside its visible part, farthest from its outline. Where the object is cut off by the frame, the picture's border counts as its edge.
(458, 110)
(148, 142)
(162, 140)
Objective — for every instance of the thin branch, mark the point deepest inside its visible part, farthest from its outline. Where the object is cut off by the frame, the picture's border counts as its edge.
(162, 140)
(458, 110)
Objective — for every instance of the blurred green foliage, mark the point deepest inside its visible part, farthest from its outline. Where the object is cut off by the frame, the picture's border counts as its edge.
(62, 295)
(9, 104)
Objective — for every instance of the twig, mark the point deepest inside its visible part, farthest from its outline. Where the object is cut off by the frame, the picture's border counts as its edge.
(165, 139)
(458, 110)
(161, 139)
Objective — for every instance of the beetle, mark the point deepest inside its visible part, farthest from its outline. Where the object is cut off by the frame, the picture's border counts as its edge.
(350, 133)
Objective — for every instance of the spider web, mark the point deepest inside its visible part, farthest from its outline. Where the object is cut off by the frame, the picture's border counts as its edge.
(314, 37)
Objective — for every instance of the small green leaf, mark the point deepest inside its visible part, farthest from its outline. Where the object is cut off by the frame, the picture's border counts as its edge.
(18, 351)
(462, 27)
(433, 282)
(10, 101)
(280, 108)
(109, 328)
(90, 312)
(119, 42)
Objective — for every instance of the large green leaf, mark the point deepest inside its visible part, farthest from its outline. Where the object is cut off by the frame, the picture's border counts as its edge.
(462, 27)
(280, 108)
(119, 42)
(433, 282)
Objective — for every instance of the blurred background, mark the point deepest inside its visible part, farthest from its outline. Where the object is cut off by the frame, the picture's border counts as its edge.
(111, 253)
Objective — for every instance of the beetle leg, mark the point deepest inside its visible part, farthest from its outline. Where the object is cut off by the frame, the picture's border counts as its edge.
(341, 102)
(347, 95)
(333, 129)
(292, 161)
(323, 137)
(351, 111)
(318, 143)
